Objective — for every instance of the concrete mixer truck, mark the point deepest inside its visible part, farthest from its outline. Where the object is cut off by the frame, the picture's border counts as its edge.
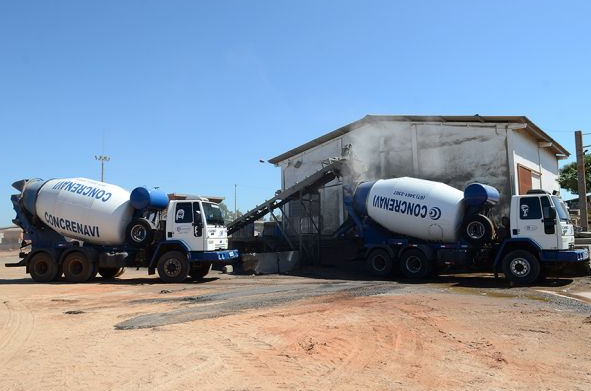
(79, 227)
(418, 226)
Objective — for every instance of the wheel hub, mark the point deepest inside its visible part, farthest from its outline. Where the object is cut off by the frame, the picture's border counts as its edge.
(172, 267)
(379, 263)
(76, 267)
(520, 267)
(413, 264)
(41, 268)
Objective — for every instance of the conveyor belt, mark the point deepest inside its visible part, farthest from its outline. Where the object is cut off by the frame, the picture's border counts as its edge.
(307, 185)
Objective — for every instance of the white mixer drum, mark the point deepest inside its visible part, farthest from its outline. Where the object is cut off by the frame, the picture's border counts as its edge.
(418, 208)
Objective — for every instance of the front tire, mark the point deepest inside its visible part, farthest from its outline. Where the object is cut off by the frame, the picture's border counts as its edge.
(78, 268)
(379, 262)
(173, 266)
(415, 264)
(43, 268)
(521, 267)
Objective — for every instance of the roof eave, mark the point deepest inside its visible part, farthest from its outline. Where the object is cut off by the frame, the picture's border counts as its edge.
(539, 133)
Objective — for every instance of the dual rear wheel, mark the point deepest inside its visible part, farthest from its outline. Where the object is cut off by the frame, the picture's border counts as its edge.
(76, 267)
(520, 267)
(43, 268)
(413, 263)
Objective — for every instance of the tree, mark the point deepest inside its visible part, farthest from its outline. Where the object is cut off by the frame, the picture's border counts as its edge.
(568, 176)
(228, 214)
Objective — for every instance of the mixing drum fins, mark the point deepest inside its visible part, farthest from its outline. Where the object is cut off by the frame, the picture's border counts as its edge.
(20, 185)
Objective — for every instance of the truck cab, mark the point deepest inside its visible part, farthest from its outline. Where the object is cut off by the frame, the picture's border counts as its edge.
(194, 238)
(543, 219)
(197, 223)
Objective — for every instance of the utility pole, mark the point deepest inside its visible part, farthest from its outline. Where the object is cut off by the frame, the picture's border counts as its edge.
(235, 208)
(102, 159)
(581, 179)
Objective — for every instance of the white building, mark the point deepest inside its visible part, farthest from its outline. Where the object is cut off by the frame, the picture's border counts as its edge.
(510, 153)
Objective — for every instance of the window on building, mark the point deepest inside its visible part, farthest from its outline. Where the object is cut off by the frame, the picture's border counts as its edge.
(528, 179)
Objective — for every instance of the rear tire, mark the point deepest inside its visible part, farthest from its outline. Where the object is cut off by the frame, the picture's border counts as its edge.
(200, 270)
(173, 266)
(139, 233)
(110, 273)
(78, 268)
(43, 268)
(415, 264)
(521, 267)
(478, 229)
(379, 262)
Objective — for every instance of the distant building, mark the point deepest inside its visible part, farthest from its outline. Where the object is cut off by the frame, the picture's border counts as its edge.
(510, 153)
(10, 238)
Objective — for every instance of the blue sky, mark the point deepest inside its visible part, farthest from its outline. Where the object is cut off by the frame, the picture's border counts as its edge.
(189, 95)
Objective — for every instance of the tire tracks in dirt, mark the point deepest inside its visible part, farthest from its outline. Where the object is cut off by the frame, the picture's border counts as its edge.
(17, 325)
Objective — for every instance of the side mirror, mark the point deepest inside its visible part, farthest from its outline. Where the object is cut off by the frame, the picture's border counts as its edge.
(552, 213)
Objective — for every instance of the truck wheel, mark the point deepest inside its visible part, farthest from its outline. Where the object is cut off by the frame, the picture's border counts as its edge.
(200, 270)
(521, 267)
(110, 272)
(415, 264)
(78, 268)
(379, 262)
(173, 266)
(139, 233)
(478, 229)
(43, 268)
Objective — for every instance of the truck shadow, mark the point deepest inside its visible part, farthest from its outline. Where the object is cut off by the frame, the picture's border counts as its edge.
(103, 281)
(463, 280)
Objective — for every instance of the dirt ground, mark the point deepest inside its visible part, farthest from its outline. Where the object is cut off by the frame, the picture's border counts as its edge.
(322, 331)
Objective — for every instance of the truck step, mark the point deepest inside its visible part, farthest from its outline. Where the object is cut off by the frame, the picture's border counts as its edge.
(16, 264)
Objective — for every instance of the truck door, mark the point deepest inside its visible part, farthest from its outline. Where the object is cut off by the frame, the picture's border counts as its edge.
(189, 225)
(537, 221)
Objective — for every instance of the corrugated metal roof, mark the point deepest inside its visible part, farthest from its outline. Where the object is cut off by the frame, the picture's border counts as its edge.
(531, 127)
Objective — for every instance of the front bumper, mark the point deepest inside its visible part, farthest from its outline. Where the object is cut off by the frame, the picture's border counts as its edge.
(221, 256)
(578, 255)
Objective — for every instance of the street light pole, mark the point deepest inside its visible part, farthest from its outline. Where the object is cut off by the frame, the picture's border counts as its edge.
(102, 159)
(582, 183)
(235, 208)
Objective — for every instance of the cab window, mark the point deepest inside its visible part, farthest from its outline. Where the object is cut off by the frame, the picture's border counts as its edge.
(529, 208)
(183, 213)
(546, 208)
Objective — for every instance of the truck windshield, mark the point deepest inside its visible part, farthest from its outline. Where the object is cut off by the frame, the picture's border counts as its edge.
(213, 214)
(560, 209)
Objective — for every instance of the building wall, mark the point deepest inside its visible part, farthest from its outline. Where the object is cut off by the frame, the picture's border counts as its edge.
(528, 154)
(455, 154)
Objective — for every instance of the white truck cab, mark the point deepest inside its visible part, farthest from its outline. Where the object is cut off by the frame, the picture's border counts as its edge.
(542, 218)
(197, 223)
